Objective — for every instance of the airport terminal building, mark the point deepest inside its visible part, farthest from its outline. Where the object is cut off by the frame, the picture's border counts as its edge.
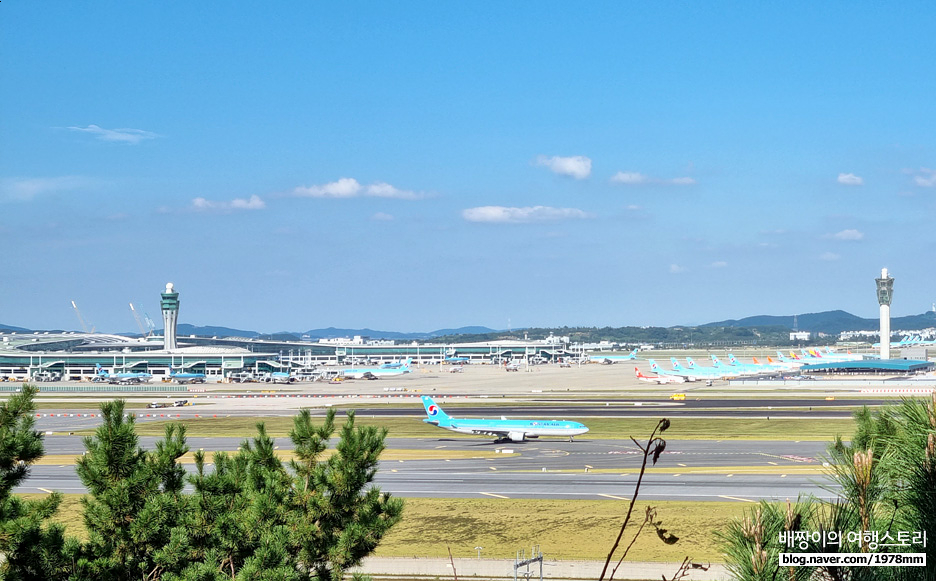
(51, 356)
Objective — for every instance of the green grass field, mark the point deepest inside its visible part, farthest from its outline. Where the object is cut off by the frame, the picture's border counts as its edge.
(564, 529)
(601, 428)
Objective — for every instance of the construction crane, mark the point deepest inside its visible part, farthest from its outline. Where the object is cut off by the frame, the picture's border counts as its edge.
(84, 326)
(136, 318)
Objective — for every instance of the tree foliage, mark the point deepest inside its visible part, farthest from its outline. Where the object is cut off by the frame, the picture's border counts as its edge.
(887, 484)
(249, 516)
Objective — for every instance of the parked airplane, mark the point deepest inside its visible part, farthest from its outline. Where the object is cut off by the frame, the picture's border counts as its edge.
(683, 373)
(187, 377)
(121, 378)
(456, 360)
(282, 377)
(706, 372)
(377, 371)
(742, 368)
(503, 429)
(613, 358)
(659, 379)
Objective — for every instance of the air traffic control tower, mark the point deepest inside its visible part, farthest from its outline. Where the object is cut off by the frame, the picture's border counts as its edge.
(170, 313)
(885, 292)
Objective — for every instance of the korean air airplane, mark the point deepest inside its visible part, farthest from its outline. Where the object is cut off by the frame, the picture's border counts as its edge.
(613, 358)
(503, 429)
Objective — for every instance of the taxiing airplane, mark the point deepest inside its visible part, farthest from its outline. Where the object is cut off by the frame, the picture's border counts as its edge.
(659, 379)
(608, 359)
(503, 429)
(121, 378)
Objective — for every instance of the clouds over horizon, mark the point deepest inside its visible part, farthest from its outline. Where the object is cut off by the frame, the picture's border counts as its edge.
(850, 179)
(351, 188)
(124, 135)
(514, 215)
(252, 203)
(577, 166)
(637, 178)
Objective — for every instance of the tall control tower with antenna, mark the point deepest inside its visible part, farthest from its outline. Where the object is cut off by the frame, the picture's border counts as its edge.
(885, 292)
(170, 313)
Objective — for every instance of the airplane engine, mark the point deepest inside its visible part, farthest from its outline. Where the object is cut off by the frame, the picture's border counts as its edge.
(515, 436)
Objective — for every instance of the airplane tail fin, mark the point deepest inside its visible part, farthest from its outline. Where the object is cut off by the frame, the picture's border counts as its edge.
(715, 360)
(653, 366)
(731, 359)
(433, 411)
(756, 362)
(676, 365)
(634, 354)
(639, 374)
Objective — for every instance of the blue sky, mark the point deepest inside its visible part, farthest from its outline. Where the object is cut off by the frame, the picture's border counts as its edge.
(419, 165)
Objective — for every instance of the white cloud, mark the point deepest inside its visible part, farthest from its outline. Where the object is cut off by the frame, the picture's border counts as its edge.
(351, 188)
(829, 256)
(252, 203)
(629, 177)
(719, 264)
(131, 136)
(926, 178)
(681, 181)
(385, 190)
(578, 166)
(634, 178)
(850, 234)
(382, 217)
(633, 207)
(343, 188)
(507, 215)
(676, 269)
(25, 189)
(850, 179)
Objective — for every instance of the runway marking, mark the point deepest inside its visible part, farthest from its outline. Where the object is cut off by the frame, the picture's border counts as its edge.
(47, 491)
(393, 470)
(492, 467)
(729, 475)
(678, 464)
(492, 494)
(675, 475)
(774, 463)
(783, 476)
(614, 497)
(736, 498)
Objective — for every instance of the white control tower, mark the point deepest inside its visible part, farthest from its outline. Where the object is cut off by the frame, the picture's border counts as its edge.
(885, 292)
(170, 313)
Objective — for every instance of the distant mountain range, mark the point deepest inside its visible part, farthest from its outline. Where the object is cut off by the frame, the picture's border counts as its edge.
(831, 322)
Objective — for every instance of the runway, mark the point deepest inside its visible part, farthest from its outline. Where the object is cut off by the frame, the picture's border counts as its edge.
(703, 470)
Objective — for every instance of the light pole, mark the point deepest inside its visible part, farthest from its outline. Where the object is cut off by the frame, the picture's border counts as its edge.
(885, 292)
(479, 552)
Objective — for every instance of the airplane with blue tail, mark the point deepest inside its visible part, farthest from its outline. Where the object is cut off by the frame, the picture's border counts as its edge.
(377, 372)
(607, 359)
(503, 429)
(121, 378)
(187, 377)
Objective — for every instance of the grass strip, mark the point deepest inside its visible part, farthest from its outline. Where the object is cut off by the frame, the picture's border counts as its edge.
(564, 529)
